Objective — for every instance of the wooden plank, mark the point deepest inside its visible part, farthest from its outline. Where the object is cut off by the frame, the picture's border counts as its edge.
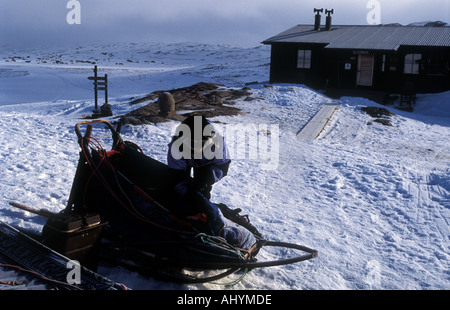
(315, 126)
(96, 78)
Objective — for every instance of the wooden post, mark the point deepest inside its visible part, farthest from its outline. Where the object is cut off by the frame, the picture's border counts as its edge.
(100, 83)
(106, 89)
(95, 87)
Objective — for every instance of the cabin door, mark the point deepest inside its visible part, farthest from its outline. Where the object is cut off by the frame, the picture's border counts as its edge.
(365, 70)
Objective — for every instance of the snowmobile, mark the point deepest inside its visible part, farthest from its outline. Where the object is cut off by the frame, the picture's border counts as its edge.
(122, 210)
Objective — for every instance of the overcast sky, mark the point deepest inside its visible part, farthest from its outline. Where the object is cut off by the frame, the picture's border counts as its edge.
(30, 23)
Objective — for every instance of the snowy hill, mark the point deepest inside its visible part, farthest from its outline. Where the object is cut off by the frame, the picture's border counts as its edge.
(374, 200)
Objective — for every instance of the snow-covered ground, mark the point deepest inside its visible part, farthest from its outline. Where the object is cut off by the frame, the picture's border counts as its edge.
(374, 200)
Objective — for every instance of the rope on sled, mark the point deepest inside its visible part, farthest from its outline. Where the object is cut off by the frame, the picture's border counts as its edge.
(93, 143)
(233, 283)
(221, 243)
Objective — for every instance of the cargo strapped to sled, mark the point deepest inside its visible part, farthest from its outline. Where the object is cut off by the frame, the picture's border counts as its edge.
(144, 232)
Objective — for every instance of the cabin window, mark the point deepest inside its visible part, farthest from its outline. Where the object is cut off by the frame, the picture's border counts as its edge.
(412, 63)
(304, 59)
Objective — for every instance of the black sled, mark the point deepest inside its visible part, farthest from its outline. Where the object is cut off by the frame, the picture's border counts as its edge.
(27, 264)
(143, 226)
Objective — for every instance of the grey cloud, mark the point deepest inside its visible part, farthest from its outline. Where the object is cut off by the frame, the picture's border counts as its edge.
(243, 22)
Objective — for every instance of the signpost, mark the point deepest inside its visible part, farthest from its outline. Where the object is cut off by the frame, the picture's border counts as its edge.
(100, 83)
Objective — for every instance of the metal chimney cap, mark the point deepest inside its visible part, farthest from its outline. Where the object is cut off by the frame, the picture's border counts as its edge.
(328, 22)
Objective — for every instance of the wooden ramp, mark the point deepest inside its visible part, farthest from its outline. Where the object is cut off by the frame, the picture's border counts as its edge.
(315, 126)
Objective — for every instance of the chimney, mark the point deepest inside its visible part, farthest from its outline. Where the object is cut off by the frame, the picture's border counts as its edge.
(318, 17)
(328, 22)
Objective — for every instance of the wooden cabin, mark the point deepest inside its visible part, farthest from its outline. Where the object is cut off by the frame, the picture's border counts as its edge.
(388, 58)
